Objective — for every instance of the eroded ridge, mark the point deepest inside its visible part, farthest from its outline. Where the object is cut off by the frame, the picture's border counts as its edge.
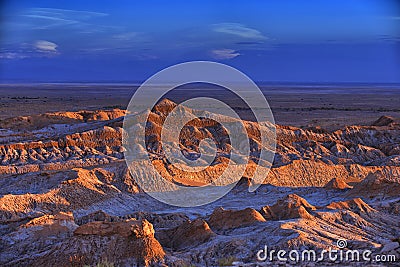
(67, 197)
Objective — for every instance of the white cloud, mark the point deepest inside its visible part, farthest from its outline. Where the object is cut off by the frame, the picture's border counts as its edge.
(44, 18)
(224, 53)
(37, 49)
(238, 30)
(11, 55)
(45, 46)
(57, 13)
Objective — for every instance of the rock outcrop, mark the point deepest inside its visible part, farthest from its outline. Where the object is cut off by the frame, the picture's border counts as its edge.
(384, 121)
(356, 205)
(338, 184)
(377, 184)
(122, 240)
(222, 219)
(44, 120)
(290, 207)
(80, 189)
(169, 220)
(188, 234)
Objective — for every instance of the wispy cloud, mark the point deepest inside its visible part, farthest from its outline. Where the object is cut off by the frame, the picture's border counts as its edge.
(12, 55)
(44, 18)
(37, 49)
(238, 29)
(62, 13)
(224, 53)
(45, 46)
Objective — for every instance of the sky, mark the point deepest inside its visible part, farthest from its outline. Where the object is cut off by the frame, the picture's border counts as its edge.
(304, 41)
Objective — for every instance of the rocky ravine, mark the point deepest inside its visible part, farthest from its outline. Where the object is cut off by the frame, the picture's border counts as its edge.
(67, 198)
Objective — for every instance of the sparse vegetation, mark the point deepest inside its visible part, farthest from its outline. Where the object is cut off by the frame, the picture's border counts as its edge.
(226, 261)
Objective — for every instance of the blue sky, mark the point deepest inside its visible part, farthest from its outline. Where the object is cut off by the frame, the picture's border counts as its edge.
(123, 41)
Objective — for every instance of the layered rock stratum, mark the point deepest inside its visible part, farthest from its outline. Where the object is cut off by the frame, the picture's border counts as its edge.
(67, 197)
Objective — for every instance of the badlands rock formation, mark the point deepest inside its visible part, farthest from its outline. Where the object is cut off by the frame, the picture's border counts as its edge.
(337, 183)
(68, 199)
(290, 207)
(222, 219)
(188, 234)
